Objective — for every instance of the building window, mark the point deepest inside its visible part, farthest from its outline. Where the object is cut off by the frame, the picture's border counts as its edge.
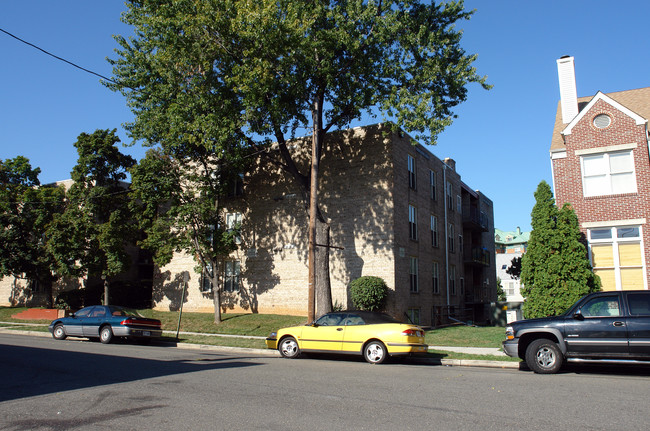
(608, 173)
(206, 279)
(450, 196)
(414, 315)
(452, 279)
(231, 276)
(617, 257)
(432, 179)
(413, 274)
(434, 231)
(450, 238)
(462, 286)
(413, 222)
(233, 221)
(459, 204)
(411, 169)
(435, 271)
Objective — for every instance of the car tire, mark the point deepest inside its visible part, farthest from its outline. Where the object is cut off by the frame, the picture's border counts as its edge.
(105, 334)
(288, 348)
(375, 352)
(544, 356)
(58, 332)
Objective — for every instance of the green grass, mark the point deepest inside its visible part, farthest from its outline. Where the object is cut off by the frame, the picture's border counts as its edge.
(466, 336)
(263, 324)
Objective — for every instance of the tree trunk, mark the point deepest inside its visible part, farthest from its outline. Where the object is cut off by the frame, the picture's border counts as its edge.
(322, 268)
(216, 295)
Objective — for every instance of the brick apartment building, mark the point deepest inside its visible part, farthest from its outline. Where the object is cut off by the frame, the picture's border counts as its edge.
(601, 166)
(395, 210)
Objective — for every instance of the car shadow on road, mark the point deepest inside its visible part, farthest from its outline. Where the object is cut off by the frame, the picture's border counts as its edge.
(32, 371)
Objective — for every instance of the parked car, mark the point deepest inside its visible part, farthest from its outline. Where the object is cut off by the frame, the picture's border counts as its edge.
(376, 336)
(106, 322)
(602, 327)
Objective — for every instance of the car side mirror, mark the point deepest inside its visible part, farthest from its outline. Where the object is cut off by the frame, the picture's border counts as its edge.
(578, 315)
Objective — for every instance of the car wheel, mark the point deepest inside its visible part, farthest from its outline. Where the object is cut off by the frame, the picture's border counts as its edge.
(105, 334)
(289, 348)
(544, 356)
(375, 352)
(58, 332)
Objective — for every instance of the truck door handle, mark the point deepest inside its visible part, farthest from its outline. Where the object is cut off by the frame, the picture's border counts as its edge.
(619, 323)
(339, 329)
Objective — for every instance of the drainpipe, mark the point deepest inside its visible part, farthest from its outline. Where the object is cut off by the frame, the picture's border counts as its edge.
(444, 181)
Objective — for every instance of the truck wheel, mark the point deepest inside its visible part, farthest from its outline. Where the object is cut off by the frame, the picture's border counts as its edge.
(544, 356)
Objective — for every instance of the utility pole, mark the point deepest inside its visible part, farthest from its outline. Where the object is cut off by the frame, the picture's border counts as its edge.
(313, 209)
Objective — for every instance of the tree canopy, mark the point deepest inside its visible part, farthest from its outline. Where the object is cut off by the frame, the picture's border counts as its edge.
(556, 270)
(91, 235)
(26, 211)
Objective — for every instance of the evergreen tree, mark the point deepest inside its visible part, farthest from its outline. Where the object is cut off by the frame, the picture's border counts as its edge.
(555, 269)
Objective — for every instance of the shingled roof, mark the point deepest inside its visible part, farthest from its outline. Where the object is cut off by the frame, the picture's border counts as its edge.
(637, 101)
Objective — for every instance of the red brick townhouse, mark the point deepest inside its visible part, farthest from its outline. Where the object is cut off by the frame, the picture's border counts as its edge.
(600, 162)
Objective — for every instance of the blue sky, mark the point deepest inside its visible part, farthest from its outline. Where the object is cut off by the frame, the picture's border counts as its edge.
(500, 140)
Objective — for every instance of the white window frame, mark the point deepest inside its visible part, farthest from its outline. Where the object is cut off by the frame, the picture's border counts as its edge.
(233, 219)
(413, 274)
(450, 238)
(614, 241)
(413, 222)
(434, 231)
(232, 275)
(452, 280)
(606, 186)
(411, 171)
(432, 181)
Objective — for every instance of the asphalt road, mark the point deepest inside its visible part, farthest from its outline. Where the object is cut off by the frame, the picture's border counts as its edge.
(69, 385)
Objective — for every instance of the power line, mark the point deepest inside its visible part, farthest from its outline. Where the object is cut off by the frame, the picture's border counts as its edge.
(57, 57)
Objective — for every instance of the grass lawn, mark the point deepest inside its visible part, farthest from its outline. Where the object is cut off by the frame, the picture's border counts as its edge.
(263, 324)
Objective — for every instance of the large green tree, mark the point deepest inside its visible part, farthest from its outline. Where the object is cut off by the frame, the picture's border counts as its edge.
(90, 237)
(26, 211)
(181, 210)
(215, 73)
(555, 270)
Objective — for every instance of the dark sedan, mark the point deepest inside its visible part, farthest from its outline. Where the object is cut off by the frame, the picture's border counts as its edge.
(106, 322)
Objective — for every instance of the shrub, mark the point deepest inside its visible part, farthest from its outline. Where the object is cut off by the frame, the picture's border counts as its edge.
(368, 293)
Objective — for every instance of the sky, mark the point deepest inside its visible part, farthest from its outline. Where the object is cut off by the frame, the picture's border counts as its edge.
(500, 140)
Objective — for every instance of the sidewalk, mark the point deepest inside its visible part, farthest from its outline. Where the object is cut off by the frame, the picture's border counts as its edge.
(267, 352)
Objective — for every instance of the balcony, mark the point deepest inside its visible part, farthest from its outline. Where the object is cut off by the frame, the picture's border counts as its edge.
(477, 256)
(475, 219)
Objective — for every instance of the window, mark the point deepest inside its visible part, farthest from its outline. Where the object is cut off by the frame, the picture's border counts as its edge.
(462, 286)
(450, 198)
(434, 231)
(231, 278)
(411, 169)
(639, 304)
(206, 279)
(617, 257)
(608, 173)
(435, 271)
(414, 315)
(450, 238)
(452, 279)
(233, 221)
(460, 244)
(432, 179)
(413, 222)
(413, 274)
(604, 306)
(459, 204)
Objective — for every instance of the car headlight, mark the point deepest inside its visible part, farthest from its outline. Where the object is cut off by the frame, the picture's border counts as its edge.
(510, 333)
(273, 335)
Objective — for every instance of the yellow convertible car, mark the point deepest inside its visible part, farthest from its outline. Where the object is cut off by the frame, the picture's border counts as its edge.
(376, 336)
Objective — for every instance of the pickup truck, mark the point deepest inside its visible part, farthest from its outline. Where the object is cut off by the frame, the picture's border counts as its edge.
(605, 327)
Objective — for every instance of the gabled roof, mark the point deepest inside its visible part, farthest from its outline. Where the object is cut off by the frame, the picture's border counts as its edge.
(511, 238)
(636, 102)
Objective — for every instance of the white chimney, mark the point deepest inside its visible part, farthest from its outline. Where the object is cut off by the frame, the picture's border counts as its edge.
(568, 95)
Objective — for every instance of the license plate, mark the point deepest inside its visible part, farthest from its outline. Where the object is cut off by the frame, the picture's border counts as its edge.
(146, 333)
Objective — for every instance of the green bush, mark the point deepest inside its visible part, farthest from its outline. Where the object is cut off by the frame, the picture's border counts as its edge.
(368, 293)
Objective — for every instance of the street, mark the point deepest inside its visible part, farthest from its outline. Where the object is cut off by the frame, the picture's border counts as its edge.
(78, 384)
